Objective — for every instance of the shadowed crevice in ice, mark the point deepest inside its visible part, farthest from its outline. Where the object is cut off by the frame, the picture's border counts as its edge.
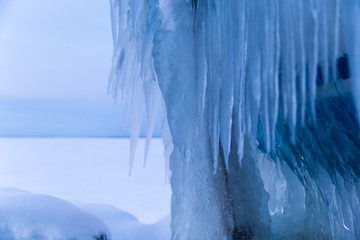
(325, 160)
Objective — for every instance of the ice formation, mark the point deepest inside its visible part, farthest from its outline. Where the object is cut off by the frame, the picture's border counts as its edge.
(261, 102)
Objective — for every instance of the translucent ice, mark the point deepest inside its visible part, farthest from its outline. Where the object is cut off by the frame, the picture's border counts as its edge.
(243, 81)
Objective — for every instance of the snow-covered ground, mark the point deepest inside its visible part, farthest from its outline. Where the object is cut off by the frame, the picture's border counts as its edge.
(90, 170)
(25, 215)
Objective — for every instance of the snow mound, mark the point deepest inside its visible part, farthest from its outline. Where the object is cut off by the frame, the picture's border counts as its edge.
(125, 226)
(25, 215)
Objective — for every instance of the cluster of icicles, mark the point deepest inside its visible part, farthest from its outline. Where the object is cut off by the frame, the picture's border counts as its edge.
(241, 79)
(253, 59)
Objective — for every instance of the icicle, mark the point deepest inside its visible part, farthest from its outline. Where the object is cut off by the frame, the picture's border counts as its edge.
(302, 62)
(114, 10)
(266, 76)
(289, 66)
(336, 36)
(133, 77)
(313, 57)
(212, 46)
(253, 77)
(242, 86)
(324, 40)
(152, 99)
(200, 59)
(275, 93)
(136, 115)
(247, 65)
(239, 86)
(227, 87)
(167, 140)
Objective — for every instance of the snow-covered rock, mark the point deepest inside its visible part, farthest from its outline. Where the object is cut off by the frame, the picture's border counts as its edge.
(125, 226)
(24, 215)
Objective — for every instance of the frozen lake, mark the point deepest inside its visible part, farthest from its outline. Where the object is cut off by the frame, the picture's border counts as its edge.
(90, 170)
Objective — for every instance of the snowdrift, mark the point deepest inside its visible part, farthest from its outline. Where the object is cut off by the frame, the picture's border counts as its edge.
(24, 216)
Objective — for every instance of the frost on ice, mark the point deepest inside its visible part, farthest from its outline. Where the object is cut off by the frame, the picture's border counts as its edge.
(261, 101)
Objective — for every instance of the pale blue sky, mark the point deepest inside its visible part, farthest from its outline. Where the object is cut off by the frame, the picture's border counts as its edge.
(55, 48)
(55, 59)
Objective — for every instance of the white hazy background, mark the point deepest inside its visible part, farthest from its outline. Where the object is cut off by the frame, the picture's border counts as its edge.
(55, 58)
(55, 49)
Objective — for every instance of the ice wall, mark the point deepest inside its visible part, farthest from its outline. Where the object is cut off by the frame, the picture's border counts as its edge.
(243, 81)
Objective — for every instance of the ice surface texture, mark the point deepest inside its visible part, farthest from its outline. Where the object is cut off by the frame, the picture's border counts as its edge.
(261, 103)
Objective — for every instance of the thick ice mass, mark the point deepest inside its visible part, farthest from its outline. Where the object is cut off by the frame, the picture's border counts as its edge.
(262, 101)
